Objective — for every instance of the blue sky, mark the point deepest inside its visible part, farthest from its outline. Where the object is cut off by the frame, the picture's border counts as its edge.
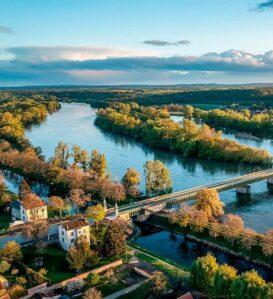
(135, 41)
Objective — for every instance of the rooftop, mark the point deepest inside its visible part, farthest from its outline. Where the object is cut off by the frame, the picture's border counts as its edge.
(32, 201)
(73, 224)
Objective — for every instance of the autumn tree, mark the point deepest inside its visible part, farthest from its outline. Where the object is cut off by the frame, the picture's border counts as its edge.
(235, 226)
(248, 238)
(267, 243)
(187, 111)
(131, 181)
(3, 187)
(57, 204)
(92, 293)
(158, 283)
(24, 189)
(80, 255)
(62, 155)
(98, 163)
(115, 239)
(78, 198)
(37, 232)
(208, 200)
(117, 192)
(158, 179)
(11, 252)
(97, 213)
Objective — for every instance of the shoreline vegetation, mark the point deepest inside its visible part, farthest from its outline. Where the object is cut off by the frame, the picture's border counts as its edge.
(154, 128)
(255, 124)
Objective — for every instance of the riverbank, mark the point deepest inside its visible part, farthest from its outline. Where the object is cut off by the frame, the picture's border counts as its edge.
(254, 257)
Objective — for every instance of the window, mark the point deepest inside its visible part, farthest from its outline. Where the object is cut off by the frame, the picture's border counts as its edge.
(63, 240)
(63, 233)
(72, 233)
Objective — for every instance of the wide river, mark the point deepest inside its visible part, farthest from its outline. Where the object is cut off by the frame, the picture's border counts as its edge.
(74, 124)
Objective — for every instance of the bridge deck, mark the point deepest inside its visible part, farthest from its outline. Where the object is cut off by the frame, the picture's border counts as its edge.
(181, 196)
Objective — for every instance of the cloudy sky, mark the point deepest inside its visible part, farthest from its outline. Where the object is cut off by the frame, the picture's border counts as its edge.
(102, 42)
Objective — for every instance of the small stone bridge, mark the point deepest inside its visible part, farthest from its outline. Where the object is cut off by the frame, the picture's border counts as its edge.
(142, 209)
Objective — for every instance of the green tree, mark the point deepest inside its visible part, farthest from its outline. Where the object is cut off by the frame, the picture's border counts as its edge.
(92, 279)
(98, 163)
(80, 255)
(158, 179)
(224, 277)
(115, 239)
(97, 213)
(203, 271)
(4, 266)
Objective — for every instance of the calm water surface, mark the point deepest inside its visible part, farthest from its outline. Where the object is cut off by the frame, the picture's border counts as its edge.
(74, 124)
(185, 253)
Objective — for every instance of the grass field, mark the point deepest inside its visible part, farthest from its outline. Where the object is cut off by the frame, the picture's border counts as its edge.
(5, 220)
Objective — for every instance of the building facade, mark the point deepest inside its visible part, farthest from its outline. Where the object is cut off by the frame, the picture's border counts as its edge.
(71, 231)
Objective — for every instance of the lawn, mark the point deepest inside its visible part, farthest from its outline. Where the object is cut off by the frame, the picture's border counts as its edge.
(54, 262)
(142, 292)
(5, 220)
(170, 268)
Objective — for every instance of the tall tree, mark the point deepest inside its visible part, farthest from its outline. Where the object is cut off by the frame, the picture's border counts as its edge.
(78, 198)
(98, 163)
(158, 179)
(115, 239)
(62, 155)
(97, 213)
(80, 255)
(158, 283)
(57, 204)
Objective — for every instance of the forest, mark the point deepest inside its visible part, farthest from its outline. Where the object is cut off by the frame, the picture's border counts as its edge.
(154, 127)
(98, 97)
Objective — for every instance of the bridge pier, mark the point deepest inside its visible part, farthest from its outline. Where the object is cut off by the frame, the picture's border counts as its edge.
(270, 185)
(243, 193)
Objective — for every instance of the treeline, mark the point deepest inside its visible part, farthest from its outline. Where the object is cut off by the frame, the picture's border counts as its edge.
(15, 113)
(155, 128)
(259, 124)
(223, 281)
(148, 96)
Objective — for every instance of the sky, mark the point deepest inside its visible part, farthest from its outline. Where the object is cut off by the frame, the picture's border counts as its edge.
(113, 42)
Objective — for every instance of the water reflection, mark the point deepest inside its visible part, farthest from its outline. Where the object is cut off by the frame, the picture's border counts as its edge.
(74, 124)
(185, 252)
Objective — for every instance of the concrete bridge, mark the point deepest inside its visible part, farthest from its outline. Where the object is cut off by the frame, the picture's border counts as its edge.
(142, 209)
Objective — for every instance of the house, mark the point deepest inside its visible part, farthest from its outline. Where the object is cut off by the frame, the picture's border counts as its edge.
(30, 208)
(72, 230)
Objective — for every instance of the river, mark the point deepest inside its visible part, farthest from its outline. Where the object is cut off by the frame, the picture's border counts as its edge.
(184, 253)
(74, 124)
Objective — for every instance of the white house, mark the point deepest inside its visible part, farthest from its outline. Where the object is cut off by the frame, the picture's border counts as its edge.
(30, 208)
(70, 231)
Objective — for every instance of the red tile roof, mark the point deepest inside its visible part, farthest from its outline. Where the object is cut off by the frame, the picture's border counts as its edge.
(77, 223)
(32, 201)
(186, 296)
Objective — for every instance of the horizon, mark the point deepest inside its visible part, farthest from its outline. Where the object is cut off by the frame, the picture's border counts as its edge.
(109, 43)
